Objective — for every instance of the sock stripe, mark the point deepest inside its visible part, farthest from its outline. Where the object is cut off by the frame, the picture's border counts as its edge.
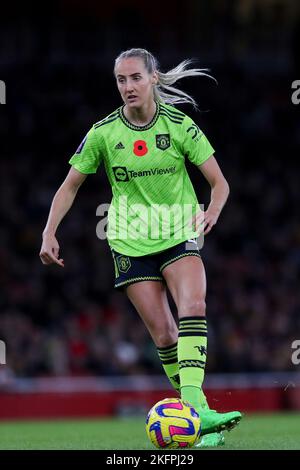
(167, 353)
(193, 328)
(170, 351)
(168, 356)
(180, 335)
(167, 348)
(192, 332)
(191, 363)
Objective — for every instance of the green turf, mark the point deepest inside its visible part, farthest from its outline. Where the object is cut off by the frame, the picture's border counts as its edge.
(276, 431)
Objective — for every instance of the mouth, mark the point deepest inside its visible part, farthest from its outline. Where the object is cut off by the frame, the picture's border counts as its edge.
(131, 98)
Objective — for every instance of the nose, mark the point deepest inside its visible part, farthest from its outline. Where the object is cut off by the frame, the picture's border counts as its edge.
(128, 86)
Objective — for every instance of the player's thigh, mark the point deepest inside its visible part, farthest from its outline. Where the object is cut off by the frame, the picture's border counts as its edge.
(151, 302)
(186, 280)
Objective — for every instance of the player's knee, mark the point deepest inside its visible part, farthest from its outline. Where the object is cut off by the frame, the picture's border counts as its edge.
(194, 307)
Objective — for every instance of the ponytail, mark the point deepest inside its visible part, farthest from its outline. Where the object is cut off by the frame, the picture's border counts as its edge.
(163, 90)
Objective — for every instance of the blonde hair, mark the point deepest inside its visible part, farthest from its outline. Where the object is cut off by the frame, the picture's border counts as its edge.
(163, 91)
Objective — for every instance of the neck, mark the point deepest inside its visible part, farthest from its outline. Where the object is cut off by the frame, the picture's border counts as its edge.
(141, 116)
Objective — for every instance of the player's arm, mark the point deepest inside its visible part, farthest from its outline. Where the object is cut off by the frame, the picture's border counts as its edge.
(85, 161)
(219, 192)
(200, 152)
(61, 204)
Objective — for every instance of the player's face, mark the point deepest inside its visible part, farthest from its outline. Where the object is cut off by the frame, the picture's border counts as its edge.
(134, 82)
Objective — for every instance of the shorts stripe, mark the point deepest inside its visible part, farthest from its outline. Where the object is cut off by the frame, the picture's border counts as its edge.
(137, 279)
(193, 253)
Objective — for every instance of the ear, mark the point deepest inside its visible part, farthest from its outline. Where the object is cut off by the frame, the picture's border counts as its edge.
(154, 78)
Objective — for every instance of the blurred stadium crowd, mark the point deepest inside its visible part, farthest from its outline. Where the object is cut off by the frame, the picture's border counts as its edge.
(58, 74)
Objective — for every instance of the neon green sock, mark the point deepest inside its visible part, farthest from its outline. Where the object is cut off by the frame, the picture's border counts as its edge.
(168, 357)
(192, 347)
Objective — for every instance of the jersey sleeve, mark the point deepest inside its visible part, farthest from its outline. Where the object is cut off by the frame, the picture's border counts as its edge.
(195, 144)
(88, 156)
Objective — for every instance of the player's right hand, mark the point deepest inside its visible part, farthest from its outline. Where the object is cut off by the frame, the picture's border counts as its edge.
(49, 253)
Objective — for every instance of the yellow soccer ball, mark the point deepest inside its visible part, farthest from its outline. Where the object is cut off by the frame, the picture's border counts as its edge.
(172, 424)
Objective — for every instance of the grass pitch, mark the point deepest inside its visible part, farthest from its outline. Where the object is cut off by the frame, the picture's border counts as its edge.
(255, 432)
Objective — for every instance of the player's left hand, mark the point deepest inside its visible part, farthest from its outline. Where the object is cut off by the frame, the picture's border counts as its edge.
(205, 220)
(210, 219)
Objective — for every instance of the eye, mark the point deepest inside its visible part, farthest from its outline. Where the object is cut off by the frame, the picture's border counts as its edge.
(121, 80)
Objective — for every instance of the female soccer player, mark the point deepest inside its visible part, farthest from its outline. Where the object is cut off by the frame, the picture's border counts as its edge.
(143, 145)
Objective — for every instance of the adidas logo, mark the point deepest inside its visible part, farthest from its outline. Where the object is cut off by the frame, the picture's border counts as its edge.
(119, 146)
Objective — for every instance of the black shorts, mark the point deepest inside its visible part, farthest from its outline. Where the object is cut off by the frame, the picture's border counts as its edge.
(131, 269)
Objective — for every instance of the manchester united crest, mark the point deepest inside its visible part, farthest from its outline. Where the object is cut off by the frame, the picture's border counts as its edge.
(123, 263)
(162, 141)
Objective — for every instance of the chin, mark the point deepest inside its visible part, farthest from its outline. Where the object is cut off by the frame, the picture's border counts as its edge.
(134, 104)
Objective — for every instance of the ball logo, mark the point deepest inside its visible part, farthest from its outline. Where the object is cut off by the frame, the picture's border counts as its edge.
(140, 148)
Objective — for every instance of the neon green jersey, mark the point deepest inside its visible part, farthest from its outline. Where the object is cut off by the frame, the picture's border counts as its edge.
(150, 184)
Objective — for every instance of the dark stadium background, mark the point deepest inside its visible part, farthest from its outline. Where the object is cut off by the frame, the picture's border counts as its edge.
(57, 64)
